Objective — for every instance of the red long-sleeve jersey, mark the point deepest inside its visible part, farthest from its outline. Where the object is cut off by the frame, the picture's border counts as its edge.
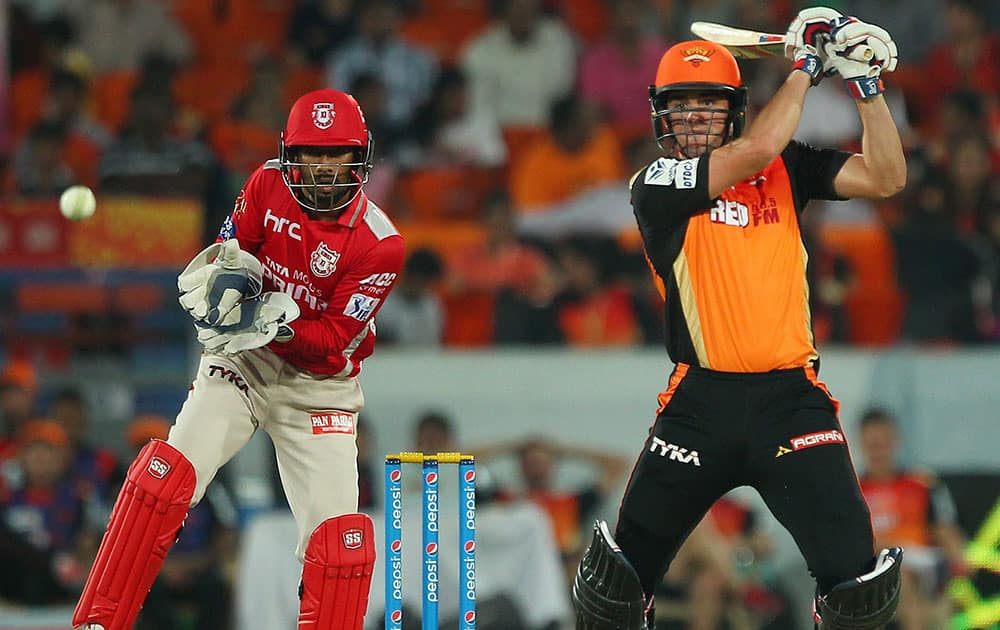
(338, 272)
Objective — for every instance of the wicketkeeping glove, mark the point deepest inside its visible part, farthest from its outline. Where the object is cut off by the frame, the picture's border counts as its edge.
(217, 280)
(861, 52)
(253, 324)
(805, 39)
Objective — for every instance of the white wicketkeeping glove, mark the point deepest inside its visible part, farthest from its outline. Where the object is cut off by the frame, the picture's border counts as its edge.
(253, 324)
(861, 52)
(805, 40)
(217, 280)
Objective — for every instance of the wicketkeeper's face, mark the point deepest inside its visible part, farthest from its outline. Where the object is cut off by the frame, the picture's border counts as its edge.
(328, 173)
(698, 122)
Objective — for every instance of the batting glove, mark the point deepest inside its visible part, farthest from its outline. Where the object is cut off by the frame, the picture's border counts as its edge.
(254, 324)
(861, 52)
(805, 40)
(218, 279)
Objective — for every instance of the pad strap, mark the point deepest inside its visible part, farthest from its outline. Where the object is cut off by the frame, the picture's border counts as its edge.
(144, 524)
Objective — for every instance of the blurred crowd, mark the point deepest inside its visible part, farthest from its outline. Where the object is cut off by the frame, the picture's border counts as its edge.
(505, 134)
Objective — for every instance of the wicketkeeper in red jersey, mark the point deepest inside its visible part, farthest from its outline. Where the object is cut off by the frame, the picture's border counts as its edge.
(284, 303)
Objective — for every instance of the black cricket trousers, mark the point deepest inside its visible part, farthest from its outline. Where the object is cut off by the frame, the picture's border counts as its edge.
(777, 432)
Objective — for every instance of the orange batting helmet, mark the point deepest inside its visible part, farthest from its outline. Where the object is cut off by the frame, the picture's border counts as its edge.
(697, 66)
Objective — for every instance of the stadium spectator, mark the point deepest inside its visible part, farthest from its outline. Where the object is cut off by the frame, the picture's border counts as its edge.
(520, 66)
(149, 157)
(412, 314)
(406, 71)
(434, 432)
(391, 141)
(914, 34)
(88, 463)
(40, 169)
(615, 72)
(539, 461)
(318, 27)
(913, 509)
(937, 269)
(968, 57)
(45, 540)
(118, 34)
(595, 308)
(576, 155)
(18, 387)
(451, 133)
(245, 140)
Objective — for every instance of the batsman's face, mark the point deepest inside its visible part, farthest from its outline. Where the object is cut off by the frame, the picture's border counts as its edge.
(699, 122)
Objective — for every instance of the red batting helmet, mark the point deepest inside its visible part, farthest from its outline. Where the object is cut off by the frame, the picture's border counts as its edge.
(324, 118)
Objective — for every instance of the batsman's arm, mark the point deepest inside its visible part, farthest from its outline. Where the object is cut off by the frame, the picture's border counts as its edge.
(766, 137)
(879, 171)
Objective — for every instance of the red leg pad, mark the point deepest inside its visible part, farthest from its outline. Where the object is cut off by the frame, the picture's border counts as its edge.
(144, 524)
(337, 573)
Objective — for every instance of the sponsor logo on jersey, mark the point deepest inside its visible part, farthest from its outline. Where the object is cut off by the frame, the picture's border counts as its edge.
(353, 539)
(661, 172)
(323, 260)
(325, 422)
(686, 176)
(730, 213)
(674, 452)
(378, 283)
(240, 206)
(360, 306)
(282, 225)
(158, 468)
(323, 115)
(817, 439)
(782, 451)
(820, 438)
(227, 374)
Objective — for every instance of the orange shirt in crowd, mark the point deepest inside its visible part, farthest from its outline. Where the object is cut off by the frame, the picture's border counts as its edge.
(901, 509)
(606, 317)
(517, 267)
(545, 174)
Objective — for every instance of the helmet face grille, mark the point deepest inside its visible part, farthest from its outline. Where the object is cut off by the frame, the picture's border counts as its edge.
(673, 126)
(307, 180)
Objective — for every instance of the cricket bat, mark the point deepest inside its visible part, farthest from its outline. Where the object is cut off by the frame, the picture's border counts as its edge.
(747, 44)
(743, 43)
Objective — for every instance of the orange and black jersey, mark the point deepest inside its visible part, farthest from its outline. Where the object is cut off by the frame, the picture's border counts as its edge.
(732, 270)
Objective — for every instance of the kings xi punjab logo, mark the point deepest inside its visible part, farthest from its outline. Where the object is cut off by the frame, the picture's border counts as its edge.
(323, 115)
(323, 261)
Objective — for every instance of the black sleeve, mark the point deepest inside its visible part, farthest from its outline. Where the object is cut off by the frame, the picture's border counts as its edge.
(812, 172)
(941, 507)
(668, 191)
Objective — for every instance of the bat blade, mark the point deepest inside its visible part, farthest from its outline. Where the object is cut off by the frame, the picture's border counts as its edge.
(743, 43)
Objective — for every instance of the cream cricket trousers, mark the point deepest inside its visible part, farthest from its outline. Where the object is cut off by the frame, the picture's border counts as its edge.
(311, 419)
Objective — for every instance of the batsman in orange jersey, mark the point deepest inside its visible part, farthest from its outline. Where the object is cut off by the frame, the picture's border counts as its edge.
(719, 214)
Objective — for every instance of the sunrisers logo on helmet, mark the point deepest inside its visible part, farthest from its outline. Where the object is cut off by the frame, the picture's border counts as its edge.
(696, 55)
